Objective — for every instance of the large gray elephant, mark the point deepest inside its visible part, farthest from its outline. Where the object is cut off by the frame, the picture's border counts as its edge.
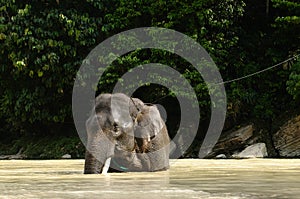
(124, 134)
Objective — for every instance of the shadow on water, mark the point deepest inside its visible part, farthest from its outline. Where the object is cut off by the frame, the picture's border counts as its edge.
(187, 178)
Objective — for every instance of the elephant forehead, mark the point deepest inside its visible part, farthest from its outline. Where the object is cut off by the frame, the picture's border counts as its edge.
(120, 116)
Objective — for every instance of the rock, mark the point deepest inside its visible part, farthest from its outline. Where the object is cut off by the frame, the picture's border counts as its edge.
(232, 141)
(258, 150)
(66, 156)
(287, 139)
(221, 156)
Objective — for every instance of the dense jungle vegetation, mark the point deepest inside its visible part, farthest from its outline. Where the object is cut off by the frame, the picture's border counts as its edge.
(43, 43)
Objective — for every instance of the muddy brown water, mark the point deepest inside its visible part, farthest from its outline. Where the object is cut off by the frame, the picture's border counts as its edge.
(187, 178)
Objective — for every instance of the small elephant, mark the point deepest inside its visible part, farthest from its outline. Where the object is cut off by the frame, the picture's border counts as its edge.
(124, 134)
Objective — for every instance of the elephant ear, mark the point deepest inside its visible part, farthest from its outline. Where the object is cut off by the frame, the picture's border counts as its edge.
(148, 122)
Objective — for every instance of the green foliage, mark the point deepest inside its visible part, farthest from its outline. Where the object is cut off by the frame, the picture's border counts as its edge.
(45, 148)
(288, 23)
(210, 23)
(293, 84)
(263, 43)
(42, 46)
(43, 43)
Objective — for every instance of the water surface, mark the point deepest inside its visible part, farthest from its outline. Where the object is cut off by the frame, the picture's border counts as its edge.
(188, 178)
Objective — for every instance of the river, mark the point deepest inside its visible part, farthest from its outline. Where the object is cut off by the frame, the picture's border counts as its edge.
(188, 178)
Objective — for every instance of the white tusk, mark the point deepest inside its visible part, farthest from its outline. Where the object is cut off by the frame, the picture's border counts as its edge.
(106, 166)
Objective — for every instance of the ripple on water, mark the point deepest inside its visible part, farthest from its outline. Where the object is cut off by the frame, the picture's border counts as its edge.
(212, 179)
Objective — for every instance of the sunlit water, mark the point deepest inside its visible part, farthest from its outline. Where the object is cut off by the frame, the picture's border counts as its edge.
(212, 179)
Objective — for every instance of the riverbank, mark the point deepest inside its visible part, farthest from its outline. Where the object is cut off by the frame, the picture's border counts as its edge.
(48, 147)
(240, 142)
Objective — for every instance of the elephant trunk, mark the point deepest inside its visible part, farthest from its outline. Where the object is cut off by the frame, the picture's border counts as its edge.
(99, 151)
(92, 165)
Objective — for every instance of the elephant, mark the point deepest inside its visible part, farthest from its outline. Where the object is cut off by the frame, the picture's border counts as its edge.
(125, 135)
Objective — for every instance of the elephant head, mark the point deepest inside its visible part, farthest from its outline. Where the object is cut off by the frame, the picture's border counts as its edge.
(148, 125)
(118, 128)
(110, 124)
